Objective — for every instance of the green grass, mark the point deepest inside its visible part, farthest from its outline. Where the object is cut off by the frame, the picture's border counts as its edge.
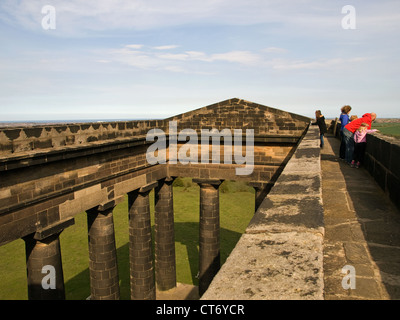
(390, 129)
(236, 208)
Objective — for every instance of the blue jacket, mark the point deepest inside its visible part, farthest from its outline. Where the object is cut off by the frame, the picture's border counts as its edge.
(344, 120)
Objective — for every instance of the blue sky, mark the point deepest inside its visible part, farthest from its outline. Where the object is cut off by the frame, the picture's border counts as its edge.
(120, 59)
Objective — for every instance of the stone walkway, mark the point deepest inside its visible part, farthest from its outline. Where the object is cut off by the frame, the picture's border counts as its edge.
(362, 230)
(180, 292)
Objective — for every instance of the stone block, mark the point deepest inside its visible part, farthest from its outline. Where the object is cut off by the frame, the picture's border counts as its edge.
(385, 154)
(393, 187)
(271, 266)
(394, 166)
(288, 214)
(379, 175)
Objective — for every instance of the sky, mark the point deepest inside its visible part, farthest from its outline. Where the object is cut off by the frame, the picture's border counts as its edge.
(152, 59)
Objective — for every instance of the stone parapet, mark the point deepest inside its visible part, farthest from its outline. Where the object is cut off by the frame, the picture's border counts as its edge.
(382, 162)
(280, 256)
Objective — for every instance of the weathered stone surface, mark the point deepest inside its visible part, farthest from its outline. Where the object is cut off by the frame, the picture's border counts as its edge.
(271, 266)
(288, 214)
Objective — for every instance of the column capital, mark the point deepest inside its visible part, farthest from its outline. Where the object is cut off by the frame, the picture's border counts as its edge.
(257, 184)
(213, 182)
(53, 229)
(168, 179)
(148, 187)
(106, 207)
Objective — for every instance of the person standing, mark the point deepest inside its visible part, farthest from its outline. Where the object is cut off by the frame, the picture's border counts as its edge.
(320, 121)
(360, 144)
(350, 128)
(344, 120)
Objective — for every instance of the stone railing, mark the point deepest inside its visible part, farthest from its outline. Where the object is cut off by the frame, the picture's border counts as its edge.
(382, 162)
(280, 256)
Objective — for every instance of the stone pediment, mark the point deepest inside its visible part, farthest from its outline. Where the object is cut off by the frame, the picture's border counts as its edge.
(241, 114)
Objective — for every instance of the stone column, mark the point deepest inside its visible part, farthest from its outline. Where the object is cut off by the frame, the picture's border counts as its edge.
(140, 246)
(165, 264)
(209, 242)
(43, 262)
(103, 267)
(44, 268)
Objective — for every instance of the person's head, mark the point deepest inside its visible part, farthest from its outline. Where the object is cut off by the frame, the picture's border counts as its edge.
(354, 117)
(318, 113)
(346, 109)
(373, 116)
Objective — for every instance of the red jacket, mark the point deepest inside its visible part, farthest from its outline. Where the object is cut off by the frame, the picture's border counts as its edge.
(355, 124)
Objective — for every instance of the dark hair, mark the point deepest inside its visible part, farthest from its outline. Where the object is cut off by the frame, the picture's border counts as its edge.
(346, 109)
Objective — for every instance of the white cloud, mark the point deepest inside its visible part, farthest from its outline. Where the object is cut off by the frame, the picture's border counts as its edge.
(275, 50)
(174, 56)
(151, 58)
(193, 61)
(134, 46)
(280, 64)
(241, 57)
(168, 47)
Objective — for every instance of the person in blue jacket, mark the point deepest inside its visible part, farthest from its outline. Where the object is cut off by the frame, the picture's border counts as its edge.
(344, 120)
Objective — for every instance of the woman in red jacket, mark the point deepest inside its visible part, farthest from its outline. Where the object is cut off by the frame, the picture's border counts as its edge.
(350, 128)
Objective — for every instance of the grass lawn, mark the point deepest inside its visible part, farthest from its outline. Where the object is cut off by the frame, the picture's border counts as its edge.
(236, 208)
(390, 129)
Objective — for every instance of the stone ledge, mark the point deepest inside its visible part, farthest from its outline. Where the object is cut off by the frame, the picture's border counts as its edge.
(280, 256)
(271, 266)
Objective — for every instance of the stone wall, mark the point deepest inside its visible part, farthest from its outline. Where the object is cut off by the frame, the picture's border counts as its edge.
(280, 256)
(382, 162)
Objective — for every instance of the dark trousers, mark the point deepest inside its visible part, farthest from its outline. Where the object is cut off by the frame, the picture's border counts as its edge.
(342, 150)
(359, 151)
(349, 142)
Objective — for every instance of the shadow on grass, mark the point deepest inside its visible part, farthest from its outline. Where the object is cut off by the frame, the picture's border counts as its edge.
(78, 287)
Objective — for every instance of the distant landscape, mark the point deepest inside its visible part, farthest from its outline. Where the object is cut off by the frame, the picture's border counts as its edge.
(6, 124)
(386, 126)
